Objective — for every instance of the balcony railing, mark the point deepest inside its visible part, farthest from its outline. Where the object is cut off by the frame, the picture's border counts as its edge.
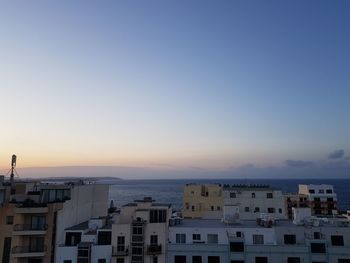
(320, 236)
(154, 249)
(235, 235)
(28, 249)
(28, 227)
(120, 251)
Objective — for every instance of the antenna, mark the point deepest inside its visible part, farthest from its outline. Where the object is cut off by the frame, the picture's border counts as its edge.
(13, 166)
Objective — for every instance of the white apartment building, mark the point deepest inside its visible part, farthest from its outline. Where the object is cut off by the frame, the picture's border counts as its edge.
(311, 240)
(87, 242)
(249, 201)
(322, 198)
(140, 232)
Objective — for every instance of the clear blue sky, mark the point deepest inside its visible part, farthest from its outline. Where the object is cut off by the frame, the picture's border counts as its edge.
(205, 84)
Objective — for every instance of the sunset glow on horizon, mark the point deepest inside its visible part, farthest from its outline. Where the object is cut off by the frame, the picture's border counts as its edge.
(176, 85)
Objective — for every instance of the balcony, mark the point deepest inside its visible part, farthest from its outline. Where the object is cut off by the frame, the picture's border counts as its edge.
(28, 251)
(312, 237)
(120, 251)
(34, 209)
(27, 229)
(235, 236)
(137, 239)
(154, 249)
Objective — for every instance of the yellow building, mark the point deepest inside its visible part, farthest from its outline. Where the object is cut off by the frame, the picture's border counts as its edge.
(203, 201)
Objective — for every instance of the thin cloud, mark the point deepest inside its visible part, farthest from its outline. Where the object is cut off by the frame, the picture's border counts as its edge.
(337, 154)
(298, 163)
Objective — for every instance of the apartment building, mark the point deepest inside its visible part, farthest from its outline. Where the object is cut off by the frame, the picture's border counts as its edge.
(295, 200)
(322, 199)
(266, 240)
(33, 216)
(249, 201)
(89, 242)
(202, 201)
(140, 232)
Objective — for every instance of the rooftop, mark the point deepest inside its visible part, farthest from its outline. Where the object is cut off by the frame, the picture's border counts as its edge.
(81, 226)
(217, 223)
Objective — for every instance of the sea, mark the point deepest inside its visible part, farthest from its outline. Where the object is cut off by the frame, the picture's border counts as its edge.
(170, 191)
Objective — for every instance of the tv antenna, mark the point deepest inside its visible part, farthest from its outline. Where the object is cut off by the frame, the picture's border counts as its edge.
(13, 171)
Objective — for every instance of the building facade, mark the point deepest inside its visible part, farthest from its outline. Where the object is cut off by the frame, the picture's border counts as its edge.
(203, 201)
(252, 241)
(249, 201)
(87, 242)
(140, 232)
(322, 199)
(33, 217)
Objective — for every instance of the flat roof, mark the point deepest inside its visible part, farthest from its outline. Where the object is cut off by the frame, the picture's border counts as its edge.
(217, 223)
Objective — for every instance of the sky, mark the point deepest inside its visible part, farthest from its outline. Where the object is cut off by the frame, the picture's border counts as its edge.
(180, 88)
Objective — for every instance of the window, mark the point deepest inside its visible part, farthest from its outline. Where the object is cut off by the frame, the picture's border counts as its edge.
(120, 260)
(196, 237)
(317, 235)
(137, 250)
(253, 195)
(318, 248)
(212, 208)
(196, 259)
(236, 246)
(280, 210)
(213, 259)
(344, 260)
(232, 195)
(321, 191)
(290, 239)
(218, 208)
(137, 230)
(102, 260)
(193, 208)
(180, 238)
(269, 195)
(317, 199)
(311, 191)
(256, 209)
(120, 243)
(212, 238)
(258, 239)
(83, 255)
(337, 240)
(261, 260)
(6, 250)
(104, 238)
(329, 191)
(157, 216)
(330, 199)
(54, 195)
(238, 234)
(180, 259)
(293, 260)
(2, 196)
(271, 210)
(72, 238)
(246, 209)
(154, 239)
(155, 260)
(67, 261)
(9, 220)
(237, 261)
